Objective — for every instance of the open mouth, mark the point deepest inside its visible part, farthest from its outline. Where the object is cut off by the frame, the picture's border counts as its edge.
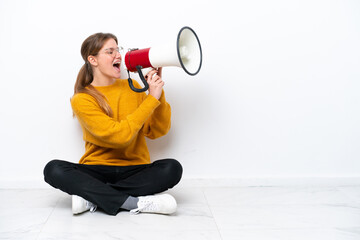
(117, 66)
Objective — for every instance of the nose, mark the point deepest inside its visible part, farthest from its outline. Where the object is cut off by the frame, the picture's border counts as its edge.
(118, 55)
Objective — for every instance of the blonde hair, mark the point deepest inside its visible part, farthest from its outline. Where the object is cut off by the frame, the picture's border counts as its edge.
(92, 46)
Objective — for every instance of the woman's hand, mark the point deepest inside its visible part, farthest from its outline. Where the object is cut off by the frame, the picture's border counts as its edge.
(155, 82)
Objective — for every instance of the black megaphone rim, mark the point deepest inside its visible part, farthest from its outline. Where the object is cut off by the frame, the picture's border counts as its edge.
(178, 50)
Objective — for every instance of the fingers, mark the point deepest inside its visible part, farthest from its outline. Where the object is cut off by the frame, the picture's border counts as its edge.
(155, 83)
(153, 77)
(150, 74)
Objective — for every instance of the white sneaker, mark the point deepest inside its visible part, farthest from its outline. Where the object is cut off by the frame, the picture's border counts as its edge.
(162, 204)
(80, 205)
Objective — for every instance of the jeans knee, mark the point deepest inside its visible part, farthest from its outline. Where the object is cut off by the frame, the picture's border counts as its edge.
(52, 171)
(174, 171)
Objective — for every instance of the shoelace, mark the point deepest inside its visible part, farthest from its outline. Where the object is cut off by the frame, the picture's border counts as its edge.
(138, 210)
(149, 206)
(92, 206)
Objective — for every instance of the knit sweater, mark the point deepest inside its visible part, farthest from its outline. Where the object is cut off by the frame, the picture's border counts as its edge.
(120, 140)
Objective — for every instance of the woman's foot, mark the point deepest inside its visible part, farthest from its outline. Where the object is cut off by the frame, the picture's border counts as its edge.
(80, 205)
(161, 204)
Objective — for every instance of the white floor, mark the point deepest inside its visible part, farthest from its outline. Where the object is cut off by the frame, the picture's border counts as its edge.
(279, 213)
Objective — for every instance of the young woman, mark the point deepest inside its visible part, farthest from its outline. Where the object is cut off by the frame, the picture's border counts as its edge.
(115, 173)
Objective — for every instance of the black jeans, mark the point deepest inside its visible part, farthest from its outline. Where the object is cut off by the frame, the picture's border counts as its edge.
(109, 186)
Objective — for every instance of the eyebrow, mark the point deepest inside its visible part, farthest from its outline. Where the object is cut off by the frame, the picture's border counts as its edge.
(111, 48)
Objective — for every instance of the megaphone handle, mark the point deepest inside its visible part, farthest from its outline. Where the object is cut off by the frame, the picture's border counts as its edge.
(146, 85)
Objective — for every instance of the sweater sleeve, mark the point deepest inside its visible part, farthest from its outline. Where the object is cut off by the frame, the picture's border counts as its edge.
(105, 131)
(160, 121)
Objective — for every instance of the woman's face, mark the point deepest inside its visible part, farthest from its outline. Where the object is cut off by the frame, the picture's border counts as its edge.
(108, 60)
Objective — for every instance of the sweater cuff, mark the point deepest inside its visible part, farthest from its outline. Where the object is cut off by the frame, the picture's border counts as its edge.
(151, 100)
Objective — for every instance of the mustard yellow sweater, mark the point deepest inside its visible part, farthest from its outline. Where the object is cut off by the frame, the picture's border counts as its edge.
(120, 140)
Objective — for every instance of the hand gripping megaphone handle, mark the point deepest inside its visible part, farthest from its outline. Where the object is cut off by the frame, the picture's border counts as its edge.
(146, 85)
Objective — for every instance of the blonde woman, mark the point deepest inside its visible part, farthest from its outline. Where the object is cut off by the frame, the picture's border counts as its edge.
(115, 173)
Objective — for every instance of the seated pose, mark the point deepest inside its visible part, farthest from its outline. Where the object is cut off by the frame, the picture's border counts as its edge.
(115, 173)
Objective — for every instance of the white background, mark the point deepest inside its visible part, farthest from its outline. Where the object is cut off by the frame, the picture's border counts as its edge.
(277, 95)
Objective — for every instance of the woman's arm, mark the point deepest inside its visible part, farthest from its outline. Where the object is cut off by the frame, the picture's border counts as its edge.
(160, 121)
(102, 130)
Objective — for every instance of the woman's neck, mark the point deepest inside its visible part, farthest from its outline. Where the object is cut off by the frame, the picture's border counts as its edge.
(102, 81)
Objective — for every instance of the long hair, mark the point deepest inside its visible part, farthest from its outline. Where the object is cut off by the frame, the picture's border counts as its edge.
(92, 46)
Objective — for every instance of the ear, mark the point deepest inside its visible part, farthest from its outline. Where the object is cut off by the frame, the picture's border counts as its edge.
(92, 60)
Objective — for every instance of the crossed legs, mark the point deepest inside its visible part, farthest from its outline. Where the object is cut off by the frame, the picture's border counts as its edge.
(110, 186)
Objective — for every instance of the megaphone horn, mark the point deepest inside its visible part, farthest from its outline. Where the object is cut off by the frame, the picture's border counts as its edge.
(186, 54)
